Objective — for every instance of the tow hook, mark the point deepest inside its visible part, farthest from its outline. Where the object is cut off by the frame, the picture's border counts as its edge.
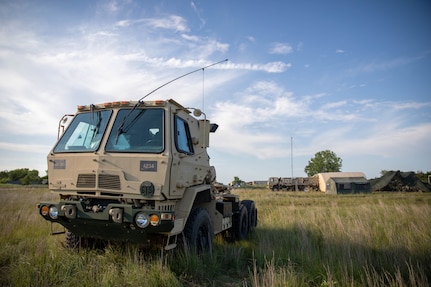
(69, 211)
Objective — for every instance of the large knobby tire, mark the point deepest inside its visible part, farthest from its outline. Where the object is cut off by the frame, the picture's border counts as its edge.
(198, 231)
(240, 223)
(252, 214)
(72, 241)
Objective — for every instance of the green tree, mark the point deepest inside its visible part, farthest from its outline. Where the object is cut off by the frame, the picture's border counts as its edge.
(4, 176)
(32, 176)
(323, 161)
(21, 175)
(236, 180)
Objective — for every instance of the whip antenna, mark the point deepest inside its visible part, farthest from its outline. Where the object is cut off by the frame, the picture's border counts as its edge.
(167, 83)
(121, 126)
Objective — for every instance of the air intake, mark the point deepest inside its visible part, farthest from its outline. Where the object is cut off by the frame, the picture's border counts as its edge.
(109, 181)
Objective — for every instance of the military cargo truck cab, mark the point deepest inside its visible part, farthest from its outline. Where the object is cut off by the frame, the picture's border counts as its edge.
(139, 171)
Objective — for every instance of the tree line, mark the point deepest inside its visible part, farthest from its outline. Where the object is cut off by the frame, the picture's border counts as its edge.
(21, 176)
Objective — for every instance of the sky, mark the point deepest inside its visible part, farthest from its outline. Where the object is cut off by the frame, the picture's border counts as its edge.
(353, 77)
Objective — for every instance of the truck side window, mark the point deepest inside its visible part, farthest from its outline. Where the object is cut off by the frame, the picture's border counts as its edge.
(183, 139)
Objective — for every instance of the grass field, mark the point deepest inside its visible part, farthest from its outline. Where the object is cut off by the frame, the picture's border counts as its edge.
(302, 239)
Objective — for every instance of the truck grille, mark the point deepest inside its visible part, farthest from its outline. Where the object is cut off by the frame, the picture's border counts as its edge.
(106, 181)
(86, 181)
(109, 181)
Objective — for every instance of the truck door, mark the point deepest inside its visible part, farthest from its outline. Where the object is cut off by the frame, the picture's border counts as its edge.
(184, 170)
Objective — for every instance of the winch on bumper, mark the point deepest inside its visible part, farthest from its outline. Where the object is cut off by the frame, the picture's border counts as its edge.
(114, 222)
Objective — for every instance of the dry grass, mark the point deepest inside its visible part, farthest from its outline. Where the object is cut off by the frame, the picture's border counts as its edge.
(354, 240)
(302, 239)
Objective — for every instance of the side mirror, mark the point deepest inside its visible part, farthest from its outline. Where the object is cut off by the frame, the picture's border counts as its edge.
(213, 128)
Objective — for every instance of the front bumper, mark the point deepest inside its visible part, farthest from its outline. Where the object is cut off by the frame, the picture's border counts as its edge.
(117, 222)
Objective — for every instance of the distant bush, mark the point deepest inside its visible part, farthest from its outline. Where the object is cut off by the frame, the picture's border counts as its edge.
(20, 176)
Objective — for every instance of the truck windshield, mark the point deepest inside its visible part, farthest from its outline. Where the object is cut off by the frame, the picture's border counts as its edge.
(139, 130)
(84, 133)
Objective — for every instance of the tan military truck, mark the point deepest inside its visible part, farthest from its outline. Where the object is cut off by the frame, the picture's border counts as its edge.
(139, 171)
(295, 184)
(280, 183)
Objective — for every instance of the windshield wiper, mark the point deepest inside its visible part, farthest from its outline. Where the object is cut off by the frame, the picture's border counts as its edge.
(122, 128)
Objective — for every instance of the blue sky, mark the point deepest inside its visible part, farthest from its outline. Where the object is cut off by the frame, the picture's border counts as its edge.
(353, 77)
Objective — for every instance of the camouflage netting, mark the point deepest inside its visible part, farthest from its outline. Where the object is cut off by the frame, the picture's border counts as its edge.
(399, 181)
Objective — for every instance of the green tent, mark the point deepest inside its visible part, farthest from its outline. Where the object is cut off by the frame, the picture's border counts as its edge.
(399, 181)
(347, 185)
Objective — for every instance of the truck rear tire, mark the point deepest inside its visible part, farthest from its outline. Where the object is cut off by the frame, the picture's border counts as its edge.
(252, 214)
(198, 231)
(240, 223)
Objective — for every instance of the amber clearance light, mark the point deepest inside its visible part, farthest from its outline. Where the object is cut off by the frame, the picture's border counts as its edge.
(154, 219)
(44, 210)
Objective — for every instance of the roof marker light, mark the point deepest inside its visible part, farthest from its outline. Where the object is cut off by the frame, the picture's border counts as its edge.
(125, 103)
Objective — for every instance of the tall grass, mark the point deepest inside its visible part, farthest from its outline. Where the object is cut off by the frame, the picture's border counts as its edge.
(302, 239)
(350, 240)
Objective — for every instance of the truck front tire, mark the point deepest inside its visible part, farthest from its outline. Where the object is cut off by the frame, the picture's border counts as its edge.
(72, 241)
(198, 231)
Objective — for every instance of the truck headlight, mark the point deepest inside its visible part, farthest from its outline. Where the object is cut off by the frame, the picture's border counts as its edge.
(53, 212)
(142, 220)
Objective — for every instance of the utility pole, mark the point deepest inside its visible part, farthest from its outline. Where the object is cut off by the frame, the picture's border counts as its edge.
(291, 162)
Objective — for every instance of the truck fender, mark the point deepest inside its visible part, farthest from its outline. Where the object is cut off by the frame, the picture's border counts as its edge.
(199, 193)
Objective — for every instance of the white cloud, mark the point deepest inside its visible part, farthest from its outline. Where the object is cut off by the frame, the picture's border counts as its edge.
(172, 22)
(384, 65)
(196, 10)
(271, 67)
(382, 139)
(111, 6)
(334, 105)
(260, 121)
(25, 148)
(255, 119)
(280, 48)
(410, 105)
(251, 39)
(209, 47)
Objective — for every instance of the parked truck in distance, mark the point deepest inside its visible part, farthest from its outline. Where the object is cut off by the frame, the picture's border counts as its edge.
(293, 184)
(139, 171)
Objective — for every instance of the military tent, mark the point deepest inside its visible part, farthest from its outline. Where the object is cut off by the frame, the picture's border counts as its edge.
(343, 182)
(399, 181)
(345, 185)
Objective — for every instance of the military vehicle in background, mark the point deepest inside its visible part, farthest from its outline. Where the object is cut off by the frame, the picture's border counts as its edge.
(293, 184)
